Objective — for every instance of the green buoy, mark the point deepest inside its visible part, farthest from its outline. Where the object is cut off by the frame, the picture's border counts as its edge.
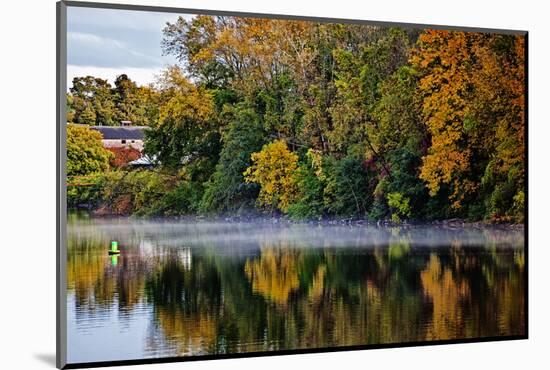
(114, 248)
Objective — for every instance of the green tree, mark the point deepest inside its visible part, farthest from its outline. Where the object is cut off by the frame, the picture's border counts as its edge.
(92, 101)
(397, 115)
(360, 78)
(310, 180)
(348, 192)
(87, 116)
(132, 102)
(150, 193)
(228, 191)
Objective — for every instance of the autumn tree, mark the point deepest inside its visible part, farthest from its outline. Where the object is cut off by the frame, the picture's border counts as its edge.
(500, 87)
(362, 121)
(472, 90)
(445, 59)
(186, 127)
(238, 50)
(249, 61)
(273, 169)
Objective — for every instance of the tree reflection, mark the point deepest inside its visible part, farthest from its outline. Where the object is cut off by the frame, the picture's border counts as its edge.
(281, 296)
(447, 295)
(275, 274)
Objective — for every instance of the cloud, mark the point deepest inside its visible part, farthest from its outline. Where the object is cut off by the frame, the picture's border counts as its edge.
(111, 38)
(91, 49)
(142, 76)
(120, 19)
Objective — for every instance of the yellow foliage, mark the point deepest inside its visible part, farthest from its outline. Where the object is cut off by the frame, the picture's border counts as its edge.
(274, 275)
(181, 99)
(273, 169)
(257, 50)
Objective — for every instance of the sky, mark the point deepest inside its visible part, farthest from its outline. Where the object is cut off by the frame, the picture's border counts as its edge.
(106, 43)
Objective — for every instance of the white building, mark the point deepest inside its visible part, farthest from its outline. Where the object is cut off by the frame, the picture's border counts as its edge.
(122, 136)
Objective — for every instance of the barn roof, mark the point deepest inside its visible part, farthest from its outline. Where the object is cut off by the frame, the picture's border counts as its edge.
(121, 133)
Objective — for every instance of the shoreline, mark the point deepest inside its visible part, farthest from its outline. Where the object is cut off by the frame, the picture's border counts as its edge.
(284, 220)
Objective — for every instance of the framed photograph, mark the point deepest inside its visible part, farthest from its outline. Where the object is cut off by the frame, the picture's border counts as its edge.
(234, 184)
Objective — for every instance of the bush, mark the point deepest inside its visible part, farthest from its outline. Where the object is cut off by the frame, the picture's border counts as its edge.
(400, 206)
(84, 192)
(149, 193)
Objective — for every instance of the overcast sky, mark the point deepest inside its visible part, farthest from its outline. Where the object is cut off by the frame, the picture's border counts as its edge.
(106, 43)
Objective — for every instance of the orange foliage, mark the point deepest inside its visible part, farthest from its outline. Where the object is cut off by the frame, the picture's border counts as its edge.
(123, 156)
(473, 104)
(445, 57)
(500, 82)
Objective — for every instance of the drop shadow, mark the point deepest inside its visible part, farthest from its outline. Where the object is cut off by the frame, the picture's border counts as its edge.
(47, 358)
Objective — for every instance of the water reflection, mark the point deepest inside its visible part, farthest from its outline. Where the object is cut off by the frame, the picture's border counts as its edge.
(191, 289)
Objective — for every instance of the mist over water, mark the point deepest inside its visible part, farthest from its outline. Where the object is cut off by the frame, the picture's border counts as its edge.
(253, 234)
(195, 288)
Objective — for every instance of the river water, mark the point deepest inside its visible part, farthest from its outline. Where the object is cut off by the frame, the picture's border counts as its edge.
(197, 288)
